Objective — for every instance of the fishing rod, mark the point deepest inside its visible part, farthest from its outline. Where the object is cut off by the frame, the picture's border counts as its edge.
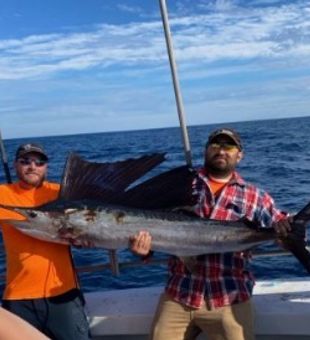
(5, 161)
(176, 85)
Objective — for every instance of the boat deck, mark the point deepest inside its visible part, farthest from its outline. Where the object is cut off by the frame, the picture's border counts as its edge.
(282, 310)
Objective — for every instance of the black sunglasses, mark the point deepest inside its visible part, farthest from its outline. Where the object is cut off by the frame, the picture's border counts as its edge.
(28, 161)
(225, 146)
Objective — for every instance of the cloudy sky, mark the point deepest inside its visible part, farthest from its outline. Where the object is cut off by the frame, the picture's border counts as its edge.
(79, 66)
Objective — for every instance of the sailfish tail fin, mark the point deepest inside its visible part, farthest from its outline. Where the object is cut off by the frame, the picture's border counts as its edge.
(303, 216)
(296, 240)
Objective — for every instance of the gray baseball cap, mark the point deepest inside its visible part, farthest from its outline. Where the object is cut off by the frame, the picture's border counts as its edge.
(232, 134)
(24, 149)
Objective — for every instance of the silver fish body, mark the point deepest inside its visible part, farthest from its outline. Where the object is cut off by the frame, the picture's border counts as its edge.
(172, 233)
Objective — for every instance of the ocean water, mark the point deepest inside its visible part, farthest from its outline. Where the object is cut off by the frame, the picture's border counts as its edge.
(277, 159)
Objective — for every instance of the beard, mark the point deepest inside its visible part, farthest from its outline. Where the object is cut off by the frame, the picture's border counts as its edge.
(217, 168)
(32, 179)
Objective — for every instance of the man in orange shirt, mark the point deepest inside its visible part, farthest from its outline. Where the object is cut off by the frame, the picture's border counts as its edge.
(41, 283)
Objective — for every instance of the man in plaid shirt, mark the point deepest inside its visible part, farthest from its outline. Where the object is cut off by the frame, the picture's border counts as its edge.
(214, 294)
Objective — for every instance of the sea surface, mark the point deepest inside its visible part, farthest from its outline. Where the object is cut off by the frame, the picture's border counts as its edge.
(277, 159)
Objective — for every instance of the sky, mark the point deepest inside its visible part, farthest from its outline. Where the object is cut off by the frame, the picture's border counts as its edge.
(83, 66)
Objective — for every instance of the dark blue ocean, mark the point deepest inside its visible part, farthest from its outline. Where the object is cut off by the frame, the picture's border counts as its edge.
(277, 158)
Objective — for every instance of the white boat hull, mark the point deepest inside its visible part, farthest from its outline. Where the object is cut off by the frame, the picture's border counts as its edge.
(282, 311)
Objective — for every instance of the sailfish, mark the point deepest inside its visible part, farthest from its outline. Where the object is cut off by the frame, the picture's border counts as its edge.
(103, 204)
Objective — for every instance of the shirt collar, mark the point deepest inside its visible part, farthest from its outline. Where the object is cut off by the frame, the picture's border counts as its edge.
(235, 179)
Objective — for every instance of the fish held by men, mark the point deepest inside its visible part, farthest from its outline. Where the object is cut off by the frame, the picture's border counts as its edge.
(99, 205)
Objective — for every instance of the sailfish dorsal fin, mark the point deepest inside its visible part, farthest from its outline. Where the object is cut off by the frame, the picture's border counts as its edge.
(168, 190)
(103, 181)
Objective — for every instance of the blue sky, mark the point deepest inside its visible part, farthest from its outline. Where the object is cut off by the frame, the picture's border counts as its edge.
(80, 66)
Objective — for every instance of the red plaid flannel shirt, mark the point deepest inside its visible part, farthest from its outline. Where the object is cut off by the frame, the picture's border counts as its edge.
(221, 279)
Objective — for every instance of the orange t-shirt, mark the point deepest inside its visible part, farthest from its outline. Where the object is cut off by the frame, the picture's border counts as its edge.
(216, 186)
(35, 268)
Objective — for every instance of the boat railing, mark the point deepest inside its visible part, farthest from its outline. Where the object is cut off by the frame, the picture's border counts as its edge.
(115, 266)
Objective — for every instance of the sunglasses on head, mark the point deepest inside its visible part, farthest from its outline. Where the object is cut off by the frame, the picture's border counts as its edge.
(28, 161)
(224, 146)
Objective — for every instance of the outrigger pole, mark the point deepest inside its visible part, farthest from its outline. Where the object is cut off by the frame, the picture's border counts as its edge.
(177, 90)
(5, 161)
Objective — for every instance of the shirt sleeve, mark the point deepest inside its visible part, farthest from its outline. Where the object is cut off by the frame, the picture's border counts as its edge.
(267, 213)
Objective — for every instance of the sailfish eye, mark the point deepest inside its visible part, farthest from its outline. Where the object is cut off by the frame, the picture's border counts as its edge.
(32, 214)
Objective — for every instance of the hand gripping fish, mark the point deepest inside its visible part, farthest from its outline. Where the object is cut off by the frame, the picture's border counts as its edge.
(99, 205)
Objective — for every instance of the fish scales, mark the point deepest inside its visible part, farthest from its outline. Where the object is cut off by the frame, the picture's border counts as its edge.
(172, 233)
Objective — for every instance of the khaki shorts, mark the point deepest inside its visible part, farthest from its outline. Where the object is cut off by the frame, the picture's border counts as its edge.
(174, 321)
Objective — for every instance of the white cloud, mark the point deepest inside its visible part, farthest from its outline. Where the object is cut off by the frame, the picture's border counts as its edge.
(233, 61)
(130, 9)
(273, 32)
